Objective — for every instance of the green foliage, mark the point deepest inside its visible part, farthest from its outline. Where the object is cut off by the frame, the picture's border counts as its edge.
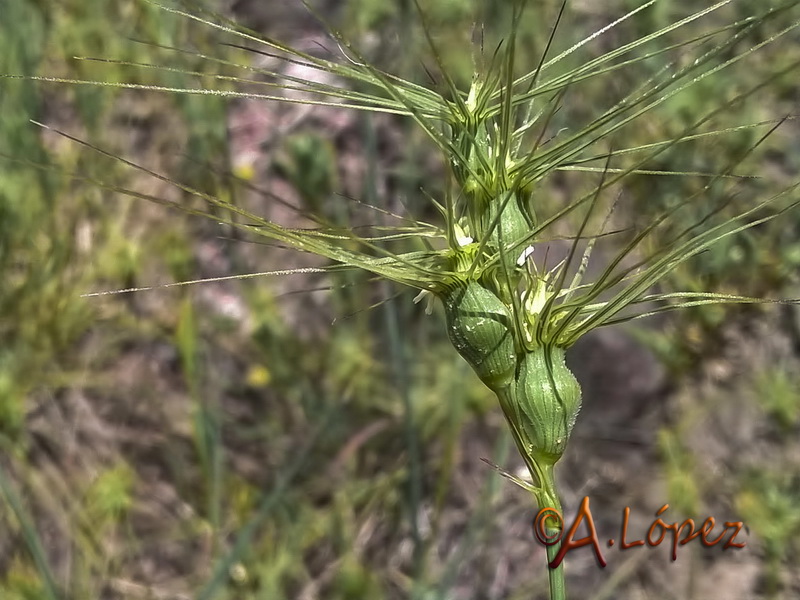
(779, 393)
(759, 262)
(768, 501)
(23, 583)
(40, 314)
(309, 163)
(110, 496)
(355, 581)
(682, 476)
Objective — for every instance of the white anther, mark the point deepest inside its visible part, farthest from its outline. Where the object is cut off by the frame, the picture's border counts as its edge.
(524, 256)
(425, 294)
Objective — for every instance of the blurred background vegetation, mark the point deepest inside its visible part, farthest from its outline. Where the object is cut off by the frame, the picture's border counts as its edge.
(316, 436)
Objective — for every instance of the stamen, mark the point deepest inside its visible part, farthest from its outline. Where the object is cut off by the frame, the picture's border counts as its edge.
(428, 295)
(524, 256)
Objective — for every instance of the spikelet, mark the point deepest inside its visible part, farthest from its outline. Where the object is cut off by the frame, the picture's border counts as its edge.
(548, 399)
(480, 328)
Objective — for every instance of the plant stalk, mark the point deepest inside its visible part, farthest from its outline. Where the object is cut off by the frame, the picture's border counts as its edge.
(547, 497)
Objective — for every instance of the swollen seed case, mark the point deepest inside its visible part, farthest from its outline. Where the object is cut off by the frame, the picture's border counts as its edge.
(548, 399)
(480, 328)
(541, 397)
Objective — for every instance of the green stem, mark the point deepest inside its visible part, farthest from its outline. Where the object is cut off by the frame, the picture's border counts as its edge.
(545, 492)
(547, 497)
